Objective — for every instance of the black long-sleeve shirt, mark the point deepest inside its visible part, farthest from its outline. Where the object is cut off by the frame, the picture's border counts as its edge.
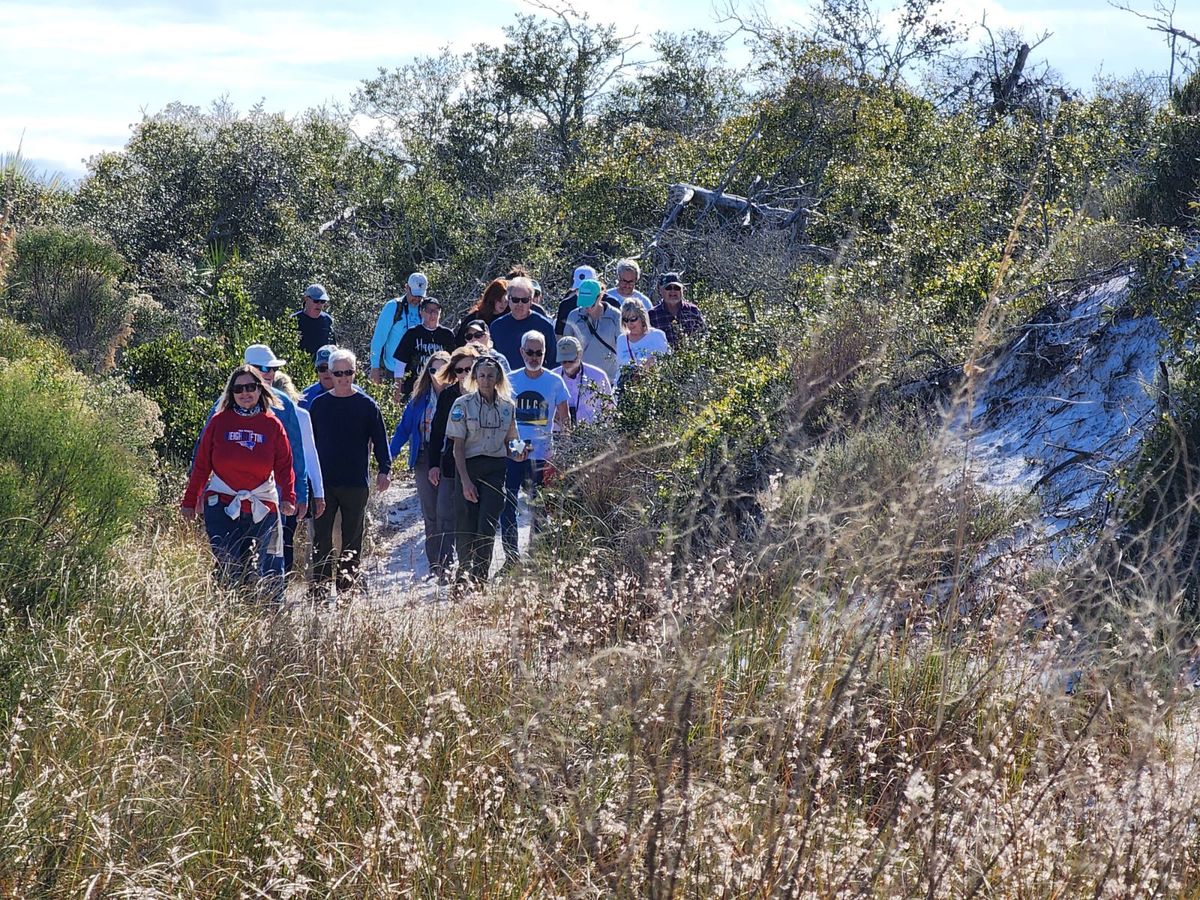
(441, 454)
(343, 427)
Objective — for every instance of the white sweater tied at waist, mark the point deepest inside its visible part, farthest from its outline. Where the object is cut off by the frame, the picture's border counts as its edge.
(258, 498)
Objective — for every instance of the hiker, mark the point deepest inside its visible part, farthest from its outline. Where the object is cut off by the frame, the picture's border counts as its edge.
(418, 344)
(673, 315)
(483, 427)
(243, 476)
(628, 275)
(541, 399)
(639, 343)
(397, 316)
(478, 335)
(441, 455)
(491, 305)
(588, 387)
(313, 321)
(508, 330)
(348, 427)
(519, 271)
(597, 327)
(263, 360)
(569, 300)
(324, 380)
(413, 429)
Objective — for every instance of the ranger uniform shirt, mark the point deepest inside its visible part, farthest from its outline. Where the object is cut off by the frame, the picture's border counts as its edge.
(484, 425)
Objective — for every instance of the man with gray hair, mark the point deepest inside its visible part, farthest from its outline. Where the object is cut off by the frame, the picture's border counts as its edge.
(347, 426)
(541, 398)
(507, 330)
(628, 275)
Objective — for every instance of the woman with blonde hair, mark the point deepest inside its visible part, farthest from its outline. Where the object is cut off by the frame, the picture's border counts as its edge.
(483, 426)
(243, 475)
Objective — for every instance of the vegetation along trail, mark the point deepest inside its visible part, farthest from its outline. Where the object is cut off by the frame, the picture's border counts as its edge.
(621, 473)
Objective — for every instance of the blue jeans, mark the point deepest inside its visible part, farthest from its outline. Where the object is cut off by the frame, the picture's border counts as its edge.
(232, 542)
(527, 475)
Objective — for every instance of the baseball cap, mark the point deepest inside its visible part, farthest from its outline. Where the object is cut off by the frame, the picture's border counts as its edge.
(315, 292)
(430, 301)
(478, 325)
(583, 272)
(569, 349)
(322, 356)
(667, 278)
(588, 292)
(261, 355)
(418, 284)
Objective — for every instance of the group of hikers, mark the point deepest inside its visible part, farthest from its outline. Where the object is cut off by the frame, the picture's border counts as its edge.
(482, 405)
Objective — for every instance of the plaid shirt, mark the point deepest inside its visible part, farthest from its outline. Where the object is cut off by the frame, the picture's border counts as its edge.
(688, 321)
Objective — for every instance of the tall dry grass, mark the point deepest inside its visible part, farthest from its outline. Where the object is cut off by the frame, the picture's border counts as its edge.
(875, 697)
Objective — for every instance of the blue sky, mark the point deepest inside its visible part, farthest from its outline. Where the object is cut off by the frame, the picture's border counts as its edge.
(77, 75)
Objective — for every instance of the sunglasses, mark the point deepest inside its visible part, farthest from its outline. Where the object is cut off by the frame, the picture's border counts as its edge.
(323, 367)
(520, 300)
(267, 370)
(246, 388)
(630, 319)
(463, 370)
(342, 373)
(318, 300)
(473, 335)
(532, 352)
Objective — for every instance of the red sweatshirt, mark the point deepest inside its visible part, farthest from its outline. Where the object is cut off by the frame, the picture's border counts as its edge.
(244, 451)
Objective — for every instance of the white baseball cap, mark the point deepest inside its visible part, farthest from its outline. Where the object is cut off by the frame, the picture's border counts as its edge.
(418, 284)
(582, 274)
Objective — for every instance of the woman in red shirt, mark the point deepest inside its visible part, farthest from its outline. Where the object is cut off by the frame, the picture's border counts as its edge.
(243, 476)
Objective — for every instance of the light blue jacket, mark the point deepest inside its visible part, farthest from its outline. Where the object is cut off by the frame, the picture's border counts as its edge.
(396, 317)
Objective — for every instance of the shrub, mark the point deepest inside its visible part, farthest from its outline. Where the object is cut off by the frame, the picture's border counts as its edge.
(185, 377)
(70, 483)
(1171, 183)
(65, 283)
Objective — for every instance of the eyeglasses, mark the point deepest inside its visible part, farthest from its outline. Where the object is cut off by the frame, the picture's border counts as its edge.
(533, 351)
(473, 335)
(267, 370)
(672, 290)
(323, 367)
(520, 299)
(628, 319)
(246, 388)
(627, 280)
(342, 373)
(462, 370)
(319, 299)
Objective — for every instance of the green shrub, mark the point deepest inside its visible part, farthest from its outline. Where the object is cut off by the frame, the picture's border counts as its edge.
(1173, 178)
(185, 377)
(65, 282)
(70, 484)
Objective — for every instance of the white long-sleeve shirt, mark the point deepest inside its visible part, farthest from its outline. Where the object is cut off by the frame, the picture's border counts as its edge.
(311, 462)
